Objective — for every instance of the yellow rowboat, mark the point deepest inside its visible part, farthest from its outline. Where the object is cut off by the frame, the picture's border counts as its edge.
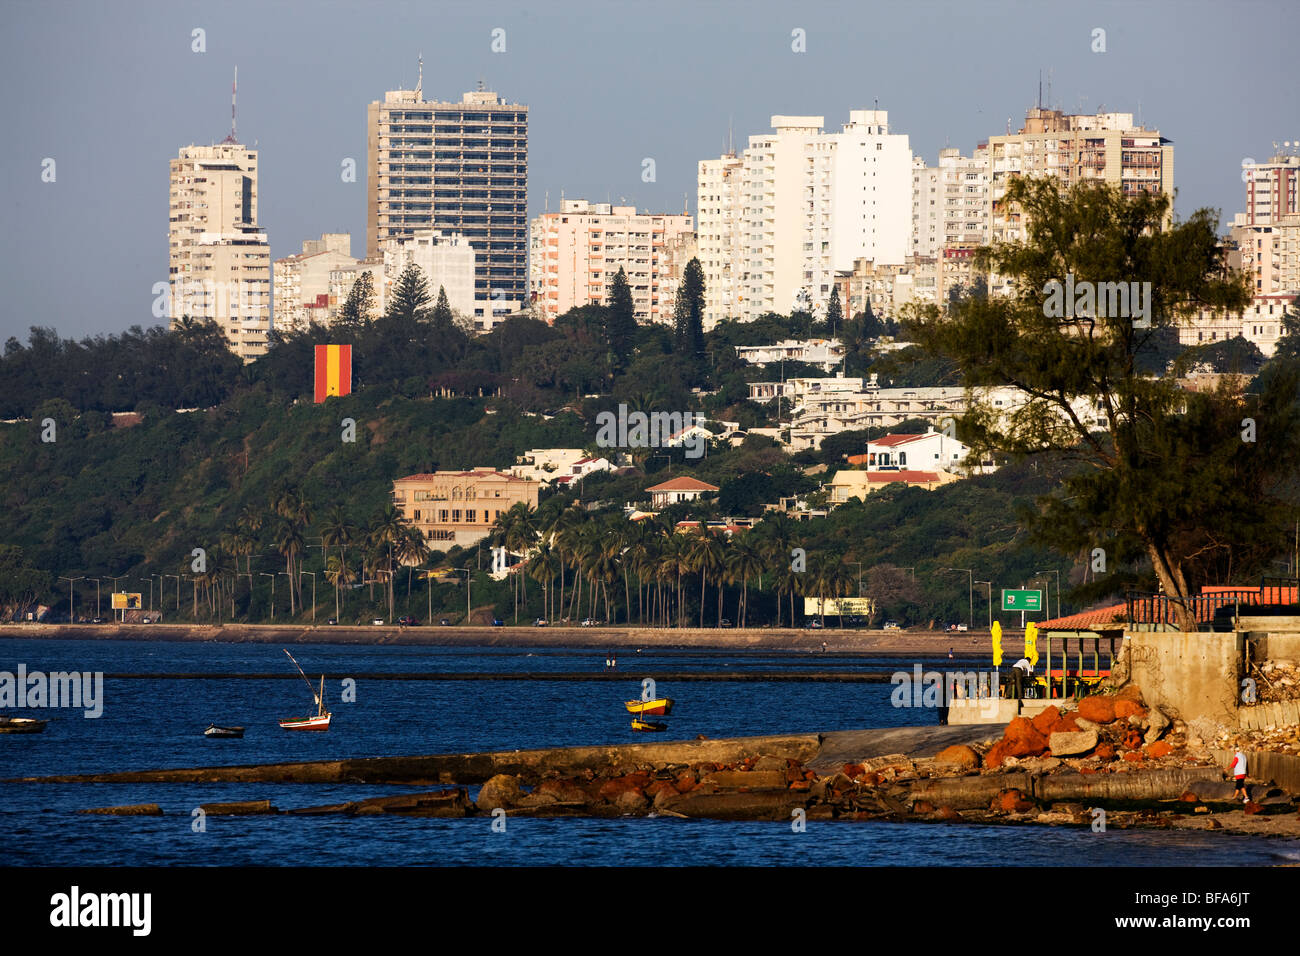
(661, 707)
(651, 725)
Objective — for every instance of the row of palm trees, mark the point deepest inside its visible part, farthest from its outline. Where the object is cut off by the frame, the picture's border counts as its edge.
(596, 557)
(373, 553)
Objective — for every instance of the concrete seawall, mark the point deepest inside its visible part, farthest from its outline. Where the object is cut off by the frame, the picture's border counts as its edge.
(900, 643)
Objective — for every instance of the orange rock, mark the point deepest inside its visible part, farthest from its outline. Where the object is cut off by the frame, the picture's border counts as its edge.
(852, 770)
(1022, 740)
(1064, 725)
(1125, 709)
(947, 813)
(1133, 756)
(869, 779)
(810, 774)
(1087, 770)
(1012, 801)
(1045, 718)
(996, 754)
(1132, 740)
(1104, 751)
(1188, 797)
(800, 784)
(958, 755)
(1131, 692)
(1100, 710)
(1161, 748)
(1252, 808)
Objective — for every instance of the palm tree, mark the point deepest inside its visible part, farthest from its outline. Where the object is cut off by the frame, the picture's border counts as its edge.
(386, 534)
(542, 568)
(290, 543)
(412, 550)
(340, 575)
(743, 563)
(337, 532)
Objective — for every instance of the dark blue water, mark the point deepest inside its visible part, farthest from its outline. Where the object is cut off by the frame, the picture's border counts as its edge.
(158, 723)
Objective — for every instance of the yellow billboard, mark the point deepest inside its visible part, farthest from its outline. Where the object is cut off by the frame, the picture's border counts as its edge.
(126, 601)
(837, 606)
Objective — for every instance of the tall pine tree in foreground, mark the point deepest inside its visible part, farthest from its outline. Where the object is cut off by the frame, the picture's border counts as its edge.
(441, 317)
(688, 320)
(410, 298)
(834, 313)
(620, 322)
(359, 307)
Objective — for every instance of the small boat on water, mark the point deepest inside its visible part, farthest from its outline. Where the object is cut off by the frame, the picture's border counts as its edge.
(648, 725)
(223, 733)
(321, 719)
(661, 707)
(21, 725)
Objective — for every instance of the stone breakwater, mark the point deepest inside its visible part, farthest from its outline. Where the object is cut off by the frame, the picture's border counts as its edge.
(1062, 768)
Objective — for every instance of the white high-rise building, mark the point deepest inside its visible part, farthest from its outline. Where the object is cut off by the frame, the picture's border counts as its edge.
(446, 261)
(807, 204)
(927, 209)
(220, 261)
(719, 204)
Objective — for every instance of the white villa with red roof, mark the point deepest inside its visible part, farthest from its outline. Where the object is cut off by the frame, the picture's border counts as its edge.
(676, 490)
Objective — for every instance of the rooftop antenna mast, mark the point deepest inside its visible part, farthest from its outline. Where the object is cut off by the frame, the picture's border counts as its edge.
(419, 80)
(234, 88)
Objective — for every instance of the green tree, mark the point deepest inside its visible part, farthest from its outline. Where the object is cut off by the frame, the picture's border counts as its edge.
(441, 317)
(688, 317)
(1165, 473)
(410, 297)
(359, 307)
(620, 321)
(834, 312)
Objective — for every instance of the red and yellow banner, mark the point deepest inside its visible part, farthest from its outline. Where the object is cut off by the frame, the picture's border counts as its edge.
(333, 371)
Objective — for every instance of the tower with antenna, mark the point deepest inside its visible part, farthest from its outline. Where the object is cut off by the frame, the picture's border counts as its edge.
(233, 138)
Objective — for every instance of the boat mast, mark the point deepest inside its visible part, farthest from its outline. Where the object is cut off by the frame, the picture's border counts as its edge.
(307, 682)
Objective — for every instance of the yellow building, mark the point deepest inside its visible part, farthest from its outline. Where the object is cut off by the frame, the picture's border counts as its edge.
(459, 507)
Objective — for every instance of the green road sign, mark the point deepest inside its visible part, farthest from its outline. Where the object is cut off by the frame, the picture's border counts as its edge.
(1022, 600)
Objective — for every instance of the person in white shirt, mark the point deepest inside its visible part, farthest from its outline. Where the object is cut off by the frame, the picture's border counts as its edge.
(1238, 770)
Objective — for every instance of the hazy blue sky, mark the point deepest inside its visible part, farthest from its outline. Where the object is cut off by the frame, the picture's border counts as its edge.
(110, 91)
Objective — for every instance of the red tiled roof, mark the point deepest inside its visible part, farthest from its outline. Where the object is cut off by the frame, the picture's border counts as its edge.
(891, 440)
(426, 476)
(683, 484)
(1085, 619)
(885, 477)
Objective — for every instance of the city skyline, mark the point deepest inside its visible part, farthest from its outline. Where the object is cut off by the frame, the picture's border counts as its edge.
(588, 139)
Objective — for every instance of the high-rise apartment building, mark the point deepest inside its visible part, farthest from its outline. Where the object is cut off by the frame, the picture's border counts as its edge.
(577, 252)
(219, 259)
(1272, 188)
(720, 199)
(457, 168)
(963, 200)
(927, 208)
(806, 205)
(1103, 147)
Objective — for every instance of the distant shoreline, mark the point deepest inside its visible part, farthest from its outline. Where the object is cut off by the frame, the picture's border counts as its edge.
(884, 643)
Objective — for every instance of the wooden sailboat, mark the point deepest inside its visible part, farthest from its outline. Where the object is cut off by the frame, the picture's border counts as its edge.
(661, 707)
(321, 720)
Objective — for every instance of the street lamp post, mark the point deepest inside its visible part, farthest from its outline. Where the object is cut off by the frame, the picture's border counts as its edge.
(468, 584)
(98, 606)
(150, 580)
(115, 578)
(990, 584)
(1058, 589)
(72, 590)
(163, 580)
(267, 574)
(859, 564)
(970, 593)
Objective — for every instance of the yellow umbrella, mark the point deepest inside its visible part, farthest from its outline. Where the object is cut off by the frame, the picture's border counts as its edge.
(1031, 642)
(997, 643)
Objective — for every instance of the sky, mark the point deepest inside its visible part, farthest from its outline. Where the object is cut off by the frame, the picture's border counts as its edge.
(111, 91)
